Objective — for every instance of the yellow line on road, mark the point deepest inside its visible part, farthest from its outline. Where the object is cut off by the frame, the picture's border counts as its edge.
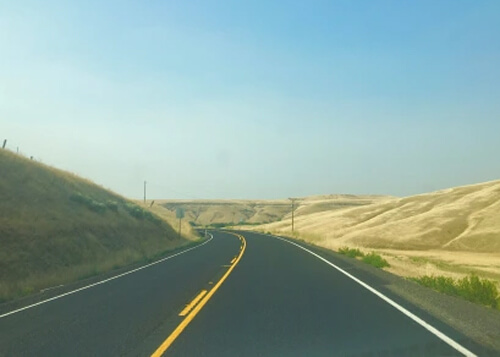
(193, 303)
(170, 339)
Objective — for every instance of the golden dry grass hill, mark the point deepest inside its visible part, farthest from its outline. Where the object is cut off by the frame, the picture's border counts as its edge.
(56, 227)
(170, 217)
(254, 212)
(452, 232)
(228, 212)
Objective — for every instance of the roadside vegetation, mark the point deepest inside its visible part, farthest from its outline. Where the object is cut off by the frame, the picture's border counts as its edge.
(56, 228)
(220, 225)
(351, 253)
(471, 288)
(232, 224)
(372, 258)
(376, 260)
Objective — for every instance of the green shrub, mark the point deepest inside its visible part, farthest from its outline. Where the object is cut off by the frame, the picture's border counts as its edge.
(135, 211)
(152, 218)
(97, 207)
(221, 225)
(375, 260)
(140, 213)
(79, 198)
(88, 202)
(113, 206)
(477, 290)
(148, 215)
(439, 283)
(351, 253)
(471, 288)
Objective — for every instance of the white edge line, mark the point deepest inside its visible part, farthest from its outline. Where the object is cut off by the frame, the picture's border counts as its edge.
(391, 302)
(105, 280)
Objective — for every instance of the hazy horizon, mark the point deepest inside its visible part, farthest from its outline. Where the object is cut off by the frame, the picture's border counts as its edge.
(218, 99)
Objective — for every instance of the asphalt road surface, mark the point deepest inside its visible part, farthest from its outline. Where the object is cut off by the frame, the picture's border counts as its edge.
(247, 295)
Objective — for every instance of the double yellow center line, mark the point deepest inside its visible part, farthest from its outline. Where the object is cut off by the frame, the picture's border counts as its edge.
(193, 303)
(192, 309)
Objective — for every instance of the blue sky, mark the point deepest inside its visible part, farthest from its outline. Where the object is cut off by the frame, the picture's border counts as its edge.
(261, 99)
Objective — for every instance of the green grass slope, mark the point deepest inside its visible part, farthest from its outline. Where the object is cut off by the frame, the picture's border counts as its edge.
(56, 227)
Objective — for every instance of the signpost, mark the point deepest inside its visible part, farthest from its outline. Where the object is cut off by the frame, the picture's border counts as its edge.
(179, 213)
(293, 213)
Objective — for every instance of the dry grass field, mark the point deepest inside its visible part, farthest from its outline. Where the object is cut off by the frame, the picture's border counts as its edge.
(451, 232)
(56, 228)
(228, 212)
(169, 216)
(233, 212)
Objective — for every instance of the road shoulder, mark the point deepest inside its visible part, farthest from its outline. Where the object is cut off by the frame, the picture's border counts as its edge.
(480, 324)
(53, 292)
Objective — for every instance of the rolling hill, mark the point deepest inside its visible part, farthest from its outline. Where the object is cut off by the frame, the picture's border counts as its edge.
(56, 227)
(453, 232)
(458, 219)
(232, 212)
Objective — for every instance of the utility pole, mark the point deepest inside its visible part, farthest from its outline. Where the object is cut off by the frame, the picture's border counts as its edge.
(293, 214)
(144, 192)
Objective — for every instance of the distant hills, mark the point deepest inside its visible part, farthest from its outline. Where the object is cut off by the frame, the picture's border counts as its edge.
(235, 212)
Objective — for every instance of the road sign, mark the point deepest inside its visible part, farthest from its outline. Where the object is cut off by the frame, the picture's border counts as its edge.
(179, 212)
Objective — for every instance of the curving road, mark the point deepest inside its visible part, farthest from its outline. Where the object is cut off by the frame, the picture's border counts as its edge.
(240, 294)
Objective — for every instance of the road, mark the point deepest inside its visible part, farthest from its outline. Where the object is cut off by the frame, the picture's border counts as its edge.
(248, 295)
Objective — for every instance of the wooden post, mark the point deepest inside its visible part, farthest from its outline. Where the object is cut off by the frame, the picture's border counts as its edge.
(179, 213)
(293, 213)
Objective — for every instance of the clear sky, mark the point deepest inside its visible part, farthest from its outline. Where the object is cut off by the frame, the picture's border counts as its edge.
(255, 99)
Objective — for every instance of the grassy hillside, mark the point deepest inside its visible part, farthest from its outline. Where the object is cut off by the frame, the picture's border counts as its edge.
(316, 204)
(463, 218)
(213, 212)
(170, 217)
(452, 232)
(56, 227)
(210, 212)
